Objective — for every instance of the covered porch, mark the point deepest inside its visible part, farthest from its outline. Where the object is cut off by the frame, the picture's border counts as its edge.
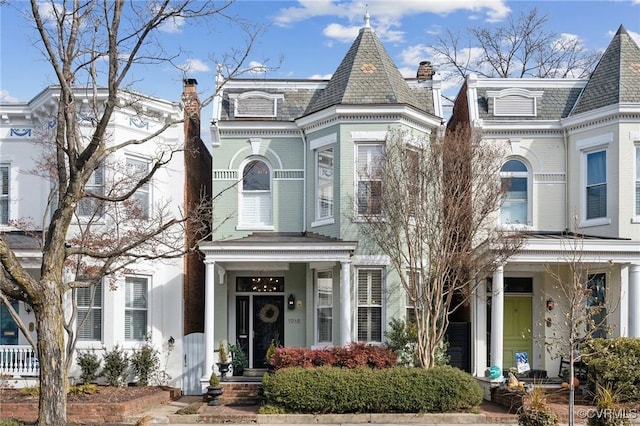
(265, 287)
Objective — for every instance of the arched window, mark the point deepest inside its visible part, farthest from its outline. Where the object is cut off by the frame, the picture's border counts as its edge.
(256, 195)
(515, 202)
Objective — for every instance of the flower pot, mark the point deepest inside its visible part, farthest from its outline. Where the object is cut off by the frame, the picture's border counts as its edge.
(213, 392)
(224, 369)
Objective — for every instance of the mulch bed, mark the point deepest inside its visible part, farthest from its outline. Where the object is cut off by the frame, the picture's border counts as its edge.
(106, 394)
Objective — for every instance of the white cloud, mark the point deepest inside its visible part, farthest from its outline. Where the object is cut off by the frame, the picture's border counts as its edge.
(321, 76)
(6, 97)
(194, 65)
(256, 67)
(172, 25)
(341, 33)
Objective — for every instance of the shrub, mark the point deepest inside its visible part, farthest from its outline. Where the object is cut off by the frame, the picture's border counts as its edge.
(89, 364)
(535, 410)
(145, 363)
(116, 363)
(402, 338)
(352, 356)
(615, 362)
(366, 390)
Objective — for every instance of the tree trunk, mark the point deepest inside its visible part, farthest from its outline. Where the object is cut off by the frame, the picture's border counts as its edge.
(51, 353)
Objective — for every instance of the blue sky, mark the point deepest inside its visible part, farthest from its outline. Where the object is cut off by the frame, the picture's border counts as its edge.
(310, 36)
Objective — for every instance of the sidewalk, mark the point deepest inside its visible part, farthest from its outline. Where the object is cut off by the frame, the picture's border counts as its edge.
(488, 413)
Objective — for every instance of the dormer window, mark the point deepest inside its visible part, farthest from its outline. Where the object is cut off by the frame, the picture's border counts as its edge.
(515, 102)
(255, 104)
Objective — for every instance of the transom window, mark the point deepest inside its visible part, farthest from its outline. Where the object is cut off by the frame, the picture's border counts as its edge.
(369, 305)
(136, 308)
(514, 177)
(4, 194)
(256, 194)
(370, 173)
(596, 188)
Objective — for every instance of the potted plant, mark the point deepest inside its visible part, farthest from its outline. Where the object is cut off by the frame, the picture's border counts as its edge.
(239, 360)
(270, 351)
(608, 412)
(214, 390)
(223, 361)
(535, 411)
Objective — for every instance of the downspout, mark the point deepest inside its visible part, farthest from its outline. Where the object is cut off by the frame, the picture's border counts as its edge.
(304, 185)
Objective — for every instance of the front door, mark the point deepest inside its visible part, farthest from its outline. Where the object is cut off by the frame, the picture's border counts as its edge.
(268, 326)
(8, 327)
(517, 328)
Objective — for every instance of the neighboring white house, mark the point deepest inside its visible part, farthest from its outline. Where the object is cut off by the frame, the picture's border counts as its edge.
(574, 153)
(147, 299)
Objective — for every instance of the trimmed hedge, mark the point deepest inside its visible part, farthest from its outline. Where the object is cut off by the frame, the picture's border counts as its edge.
(364, 390)
(352, 356)
(615, 362)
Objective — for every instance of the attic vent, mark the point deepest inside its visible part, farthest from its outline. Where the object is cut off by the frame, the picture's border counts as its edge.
(255, 104)
(515, 102)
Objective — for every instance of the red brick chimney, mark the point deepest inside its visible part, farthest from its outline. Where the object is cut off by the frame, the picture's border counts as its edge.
(425, 71)
(197, 182)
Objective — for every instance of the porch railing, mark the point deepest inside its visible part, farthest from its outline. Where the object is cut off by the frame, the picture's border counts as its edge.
(18, 360)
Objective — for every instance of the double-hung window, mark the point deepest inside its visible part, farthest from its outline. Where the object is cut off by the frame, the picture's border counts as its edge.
(324, 300)
(637, 209)
(596, 188)
(256, 195)
(514, 178)
(369, 299)
(136, 308)
(324, 183)
(596, 305)
(4, 194)
(138, 169)
(90, 206)
(369, 177)
(89, 318)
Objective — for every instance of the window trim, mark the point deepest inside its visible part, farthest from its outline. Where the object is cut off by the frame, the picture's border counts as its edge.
(147, 309)
(92, 307)
(242, 224)
(358, 215)
(381, 305)
(318, 306)
(6, 198)
(255, 94)
(329, 218)
(529, 202)
(602, 220)
(635, 217)
(523, 97)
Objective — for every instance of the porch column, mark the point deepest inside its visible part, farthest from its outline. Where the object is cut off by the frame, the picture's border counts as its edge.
(480, 332)
(634, 300)
(345, 303)
(209, 290)
(497, 317)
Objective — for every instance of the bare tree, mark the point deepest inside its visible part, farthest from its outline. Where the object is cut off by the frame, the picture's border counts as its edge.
(92, 47)
(521, 47)
(435, 219)
(582, 306)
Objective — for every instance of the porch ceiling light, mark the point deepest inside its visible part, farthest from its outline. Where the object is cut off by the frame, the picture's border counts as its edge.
(550, 304)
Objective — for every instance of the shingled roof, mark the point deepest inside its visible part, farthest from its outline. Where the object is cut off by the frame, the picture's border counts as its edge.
(616, 78)
(366, 75)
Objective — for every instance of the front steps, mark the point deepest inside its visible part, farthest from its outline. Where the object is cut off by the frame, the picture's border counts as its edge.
(241, 393)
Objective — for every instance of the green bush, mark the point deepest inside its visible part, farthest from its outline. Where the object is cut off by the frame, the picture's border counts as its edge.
(116, 363)
(615, 362)
(353, 355)
(365, 390)
(89, 364)
(145, 363)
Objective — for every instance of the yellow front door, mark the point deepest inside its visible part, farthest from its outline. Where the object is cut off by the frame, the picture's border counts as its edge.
(517, 329)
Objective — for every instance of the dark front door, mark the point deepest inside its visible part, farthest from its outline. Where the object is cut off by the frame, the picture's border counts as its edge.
(8, 327)
(268, 325)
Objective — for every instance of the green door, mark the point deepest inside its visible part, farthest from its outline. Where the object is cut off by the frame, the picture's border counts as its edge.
(517, 329)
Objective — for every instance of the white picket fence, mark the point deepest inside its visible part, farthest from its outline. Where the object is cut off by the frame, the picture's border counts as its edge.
(18, 361)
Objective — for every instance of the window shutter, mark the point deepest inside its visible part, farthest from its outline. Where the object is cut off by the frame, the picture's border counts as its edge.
(89, 319)
(256, 208)
(514, 106)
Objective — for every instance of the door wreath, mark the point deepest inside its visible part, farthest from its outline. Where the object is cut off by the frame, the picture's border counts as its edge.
(269, 313)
